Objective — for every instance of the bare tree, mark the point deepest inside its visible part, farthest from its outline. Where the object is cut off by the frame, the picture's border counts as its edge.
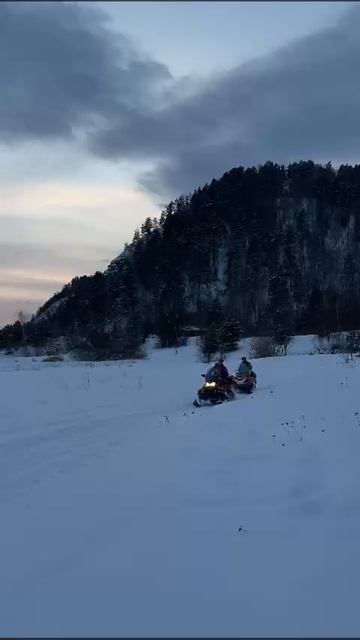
(22, 317)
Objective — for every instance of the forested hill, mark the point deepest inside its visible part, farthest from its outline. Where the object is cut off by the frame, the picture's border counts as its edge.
(275, 248)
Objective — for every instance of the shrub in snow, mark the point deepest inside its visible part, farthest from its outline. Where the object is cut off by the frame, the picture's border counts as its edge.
(337, 342)
(346, 342)
(262, 347)
(181, 341)
(57, 358)
(282, 342)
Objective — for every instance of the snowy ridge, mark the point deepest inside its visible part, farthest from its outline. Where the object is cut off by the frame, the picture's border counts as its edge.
(128, 512)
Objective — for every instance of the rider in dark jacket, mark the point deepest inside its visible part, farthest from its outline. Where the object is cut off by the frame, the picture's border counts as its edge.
(218, 372)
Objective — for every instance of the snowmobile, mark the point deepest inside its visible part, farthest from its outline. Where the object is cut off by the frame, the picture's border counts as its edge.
(214, 392)
(244, 383)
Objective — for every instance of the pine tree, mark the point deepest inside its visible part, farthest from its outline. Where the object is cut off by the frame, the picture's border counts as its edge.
(136, 236)
(169, 327)
(215, 313)
(228, 336)
(147, 227)
(210, 342)
(132, 338)
(280, 309)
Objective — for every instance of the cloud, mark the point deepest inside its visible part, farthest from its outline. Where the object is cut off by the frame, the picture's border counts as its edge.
(62, 70)
(60, 261)
(300, 102)
(52, 231)
(31, 272)
(10, 307)
(64, 73)
(55, 198)
(75, 214)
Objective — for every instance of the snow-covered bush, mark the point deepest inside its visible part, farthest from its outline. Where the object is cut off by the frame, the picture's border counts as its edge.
(55, 358)
(281, 344)
(262, 347)
(339, 342)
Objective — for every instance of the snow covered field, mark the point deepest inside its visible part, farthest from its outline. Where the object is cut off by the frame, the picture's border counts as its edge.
(121, 504)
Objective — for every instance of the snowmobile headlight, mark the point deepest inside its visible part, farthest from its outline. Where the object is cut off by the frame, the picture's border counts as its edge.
(210, 384)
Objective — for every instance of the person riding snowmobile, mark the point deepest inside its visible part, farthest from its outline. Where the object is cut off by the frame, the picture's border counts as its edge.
(244, 368)
(217, 373)
(217, 387)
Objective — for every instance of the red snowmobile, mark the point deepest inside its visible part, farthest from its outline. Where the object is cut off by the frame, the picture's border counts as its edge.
(244, 383)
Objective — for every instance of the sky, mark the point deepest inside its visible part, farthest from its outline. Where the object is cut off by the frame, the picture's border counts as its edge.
(111, 109)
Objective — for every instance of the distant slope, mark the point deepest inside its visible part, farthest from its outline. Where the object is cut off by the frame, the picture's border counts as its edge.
(275, 247)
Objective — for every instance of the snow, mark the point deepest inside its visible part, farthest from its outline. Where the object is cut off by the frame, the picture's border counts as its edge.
(121, 504)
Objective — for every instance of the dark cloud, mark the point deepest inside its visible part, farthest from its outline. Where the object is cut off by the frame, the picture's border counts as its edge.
(62, 68)
(302, 101)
